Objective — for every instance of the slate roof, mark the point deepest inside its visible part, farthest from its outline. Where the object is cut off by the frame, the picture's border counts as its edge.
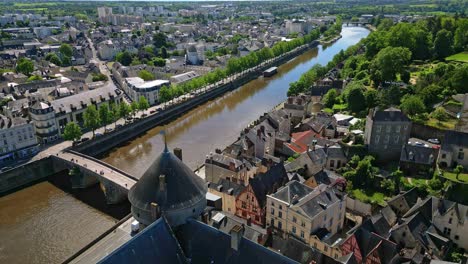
(292, 189)
(204, 244)
(183, 187)
(455, 138)
(229, 221)
(228, 185)
(390, 115)
(418, 154)
(154, 243)
(326, 177)
(265, 182)
(318, 201)
(223, 160)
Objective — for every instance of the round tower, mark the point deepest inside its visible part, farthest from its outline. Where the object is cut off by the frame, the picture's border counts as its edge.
(169, 188)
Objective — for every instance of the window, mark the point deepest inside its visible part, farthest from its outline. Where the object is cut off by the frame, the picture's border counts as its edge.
(379, 129)
(457, 237)
(338, 165)
(377, 139)
(315, 244)
(294, 219)
(280, 214)
(272, 222)
(244, 205)
(325, 218)
(444, 156)
(280, 225)
(294, 230)
(388, 129)
(302, 224)
(281, 207)
(397, 139)
(272, 204)
(404, 234)
(302, 234)
(398, 129)
(325, 248)
(450, 220)
(332, 163)
(272, 211)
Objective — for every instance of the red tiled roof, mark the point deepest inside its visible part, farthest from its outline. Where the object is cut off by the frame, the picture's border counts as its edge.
(301, 140)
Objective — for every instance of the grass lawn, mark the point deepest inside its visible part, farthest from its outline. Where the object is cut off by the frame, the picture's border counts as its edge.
(462, 57)
(463, 177)
(449, 124)
(369, 196)
(339, 107)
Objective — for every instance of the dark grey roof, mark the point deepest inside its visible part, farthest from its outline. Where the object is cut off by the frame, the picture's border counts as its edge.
(390, 115)
(335, 152)
(229, 221)
(313, 204)
(292, 189)
(267, 182)
(418, 154)
(204, 244)
(326, 177)
(183, 187)
(228, 185)
(154, 243)
(455, 138)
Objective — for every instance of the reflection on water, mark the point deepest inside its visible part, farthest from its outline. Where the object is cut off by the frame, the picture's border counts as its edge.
(43, 224)
(217, 123)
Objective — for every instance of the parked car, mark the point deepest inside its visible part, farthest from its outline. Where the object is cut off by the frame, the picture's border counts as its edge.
(152, 111)
(84, 139)
(108, 130)
(144, 115)
(118, 126)
(98, 134)
(433, 141)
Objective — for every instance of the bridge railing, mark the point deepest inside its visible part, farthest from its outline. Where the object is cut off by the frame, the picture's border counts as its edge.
(102, 163)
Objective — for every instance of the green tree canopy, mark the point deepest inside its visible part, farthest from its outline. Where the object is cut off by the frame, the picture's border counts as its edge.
(146, 75)
(25, 66)
(143, 103)
(104, 114)
(388, 63)
(91, 118)
(125, 58)
(412, 105)
(66, 50)
(330, 98)
(72, 131)
(443, 44)
(355, 97)
(53, 58)
(124, 109)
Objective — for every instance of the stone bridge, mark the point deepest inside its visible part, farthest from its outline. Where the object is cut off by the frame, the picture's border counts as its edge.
(86, 171)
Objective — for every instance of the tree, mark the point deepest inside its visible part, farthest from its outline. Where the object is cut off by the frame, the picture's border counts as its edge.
(113, 113)
(165, 94)
(143, 103)
(72, 131)
(146, 75)
(25, 66)
(160, 62)
(135, 107)
(372, 98)
(104, 114)
(66, 50)
(330, 97)
(125, 58)
(458, 169)
(355, 98)
(91, 118)
(160, 40)
(443, 44)
(460, 37)
(164, 52)
(53, 58)
(388, 186)
(412, 105)
(388, 62)
(124, 109)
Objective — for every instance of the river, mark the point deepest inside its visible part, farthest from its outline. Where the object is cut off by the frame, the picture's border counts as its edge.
(47, 222)
(218, 123)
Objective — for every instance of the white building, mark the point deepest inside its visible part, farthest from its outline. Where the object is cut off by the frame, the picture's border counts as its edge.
(17, 139)
(136, 87)
(50, 118)
(301, 211)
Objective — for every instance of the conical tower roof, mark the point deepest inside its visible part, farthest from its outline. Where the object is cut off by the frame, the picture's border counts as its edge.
(179, 187)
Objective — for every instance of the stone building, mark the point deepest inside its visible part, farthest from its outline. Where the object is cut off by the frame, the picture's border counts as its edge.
(136, 87)
(17, 139)
(386, 132)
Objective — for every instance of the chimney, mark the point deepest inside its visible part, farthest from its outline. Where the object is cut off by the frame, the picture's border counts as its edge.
(178, 153)
(155, 211)
(314, 143)
(218, 151)
(262, 128)
(162, 182)
(295, 199)
(236, 233)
